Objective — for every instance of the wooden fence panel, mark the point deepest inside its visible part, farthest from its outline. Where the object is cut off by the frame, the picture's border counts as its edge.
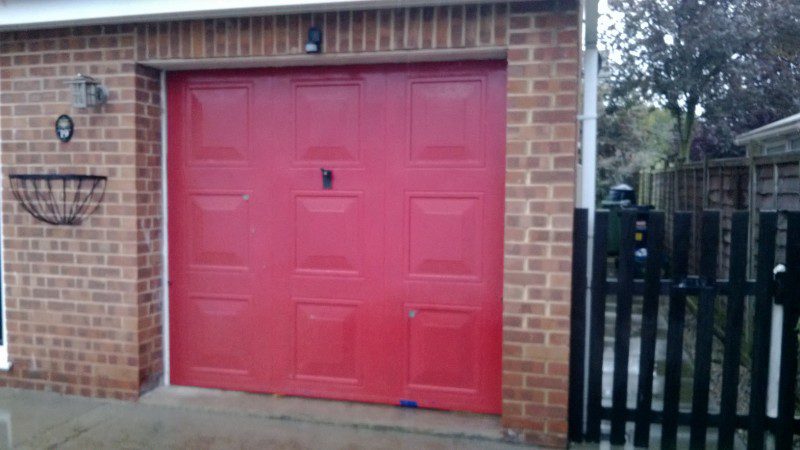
(759, 183)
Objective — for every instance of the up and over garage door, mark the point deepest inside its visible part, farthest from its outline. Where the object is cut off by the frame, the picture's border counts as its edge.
(337, 232)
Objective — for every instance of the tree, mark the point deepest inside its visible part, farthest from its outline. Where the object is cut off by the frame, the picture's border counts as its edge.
(691, 56)
(765, 88)
(631, 137)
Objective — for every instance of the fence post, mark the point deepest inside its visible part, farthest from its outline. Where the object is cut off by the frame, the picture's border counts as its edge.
(733, 329)
(682, 230)
(767, 229)
(652, 293)
(791, 307)
(596, 328)
(577, 339)
(622, 333)
(709, 243)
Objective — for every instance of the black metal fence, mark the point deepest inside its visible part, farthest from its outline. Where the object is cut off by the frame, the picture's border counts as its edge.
(658, 289)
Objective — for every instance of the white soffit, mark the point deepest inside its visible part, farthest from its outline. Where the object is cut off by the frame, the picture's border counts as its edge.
(786, 126)
(32, 14)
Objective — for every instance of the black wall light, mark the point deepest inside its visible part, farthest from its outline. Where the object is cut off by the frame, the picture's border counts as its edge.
(314, 44)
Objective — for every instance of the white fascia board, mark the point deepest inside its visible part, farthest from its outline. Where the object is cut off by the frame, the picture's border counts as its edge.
(37, 14)
(785, 126)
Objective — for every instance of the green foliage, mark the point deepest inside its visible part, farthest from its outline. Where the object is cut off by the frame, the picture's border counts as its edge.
(630, 138)
(728, 63)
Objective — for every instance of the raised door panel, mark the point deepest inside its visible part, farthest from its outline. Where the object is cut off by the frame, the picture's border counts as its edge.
(446, 125)
(219, 346)
(329, 233)
(327, 125)
(444, 236)
(326, 342)
(218, 127)
(442, 348)
(220, 230)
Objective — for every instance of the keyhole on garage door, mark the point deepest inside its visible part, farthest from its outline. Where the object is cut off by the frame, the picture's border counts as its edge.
(327, 178)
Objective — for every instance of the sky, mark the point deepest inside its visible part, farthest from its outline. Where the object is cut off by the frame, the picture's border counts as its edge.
(605, 21)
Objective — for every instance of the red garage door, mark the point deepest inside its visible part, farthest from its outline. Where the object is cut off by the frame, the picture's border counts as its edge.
(381, 282)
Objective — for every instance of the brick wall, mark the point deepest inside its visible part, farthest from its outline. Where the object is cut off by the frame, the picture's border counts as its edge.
(466, 26)
(540, 192)
(84, 303)
(71, 292)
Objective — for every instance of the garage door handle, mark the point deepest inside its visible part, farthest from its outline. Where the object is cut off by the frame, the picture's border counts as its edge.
(327, 178)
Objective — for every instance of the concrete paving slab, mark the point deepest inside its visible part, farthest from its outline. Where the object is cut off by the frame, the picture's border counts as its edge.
(328, 412)
(183, 418)
(26, 414)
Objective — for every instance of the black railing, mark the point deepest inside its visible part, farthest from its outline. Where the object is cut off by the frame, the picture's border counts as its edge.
(643, 279)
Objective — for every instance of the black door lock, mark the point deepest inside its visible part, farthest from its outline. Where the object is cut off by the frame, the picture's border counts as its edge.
(327, 178)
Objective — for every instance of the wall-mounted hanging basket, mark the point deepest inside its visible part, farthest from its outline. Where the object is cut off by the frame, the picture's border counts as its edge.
(59, 199)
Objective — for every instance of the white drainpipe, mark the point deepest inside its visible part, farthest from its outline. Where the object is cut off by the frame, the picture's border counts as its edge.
(774, 372)
(588, 169)
(589, 132)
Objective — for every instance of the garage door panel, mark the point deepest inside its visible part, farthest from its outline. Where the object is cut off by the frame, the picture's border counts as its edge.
(328, 273)
(214, 338)
(444, 236)
(219, 139)
(218, 341)
(327, 340)
(442, 348)
(446, 138)
(220, 230)
(446, 123)
(327, 125)
(329, 234)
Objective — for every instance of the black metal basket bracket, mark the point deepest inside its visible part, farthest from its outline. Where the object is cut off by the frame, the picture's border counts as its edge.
(59, 199)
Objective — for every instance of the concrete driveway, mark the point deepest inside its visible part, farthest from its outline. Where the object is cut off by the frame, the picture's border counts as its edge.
(186, 418)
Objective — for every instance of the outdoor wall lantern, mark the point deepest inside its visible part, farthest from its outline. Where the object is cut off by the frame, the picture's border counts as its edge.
(314, 44)
(87, 92)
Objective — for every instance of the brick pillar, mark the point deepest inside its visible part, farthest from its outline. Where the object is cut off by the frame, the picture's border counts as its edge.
(540, 192)
(149, 226)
